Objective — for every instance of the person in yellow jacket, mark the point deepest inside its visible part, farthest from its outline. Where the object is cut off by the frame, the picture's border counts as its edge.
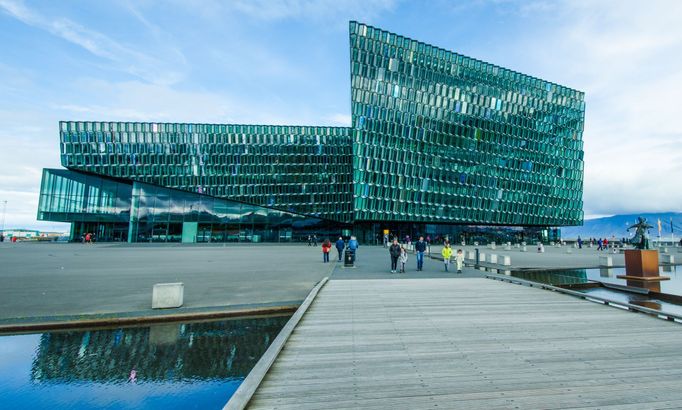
(447, 254)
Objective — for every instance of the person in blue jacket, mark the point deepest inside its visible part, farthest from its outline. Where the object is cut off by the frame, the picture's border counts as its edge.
(340, 245)
(420, 248)
(353, 246)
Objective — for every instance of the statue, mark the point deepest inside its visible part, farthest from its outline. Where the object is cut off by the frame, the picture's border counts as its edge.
(641, 238)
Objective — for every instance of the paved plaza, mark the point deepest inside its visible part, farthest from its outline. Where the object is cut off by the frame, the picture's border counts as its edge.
(41, 281)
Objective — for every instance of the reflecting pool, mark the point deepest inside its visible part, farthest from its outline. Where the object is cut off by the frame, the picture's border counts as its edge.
(194, 365)
(610, 276)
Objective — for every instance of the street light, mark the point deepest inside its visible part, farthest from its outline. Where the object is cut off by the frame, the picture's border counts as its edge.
(4, 209)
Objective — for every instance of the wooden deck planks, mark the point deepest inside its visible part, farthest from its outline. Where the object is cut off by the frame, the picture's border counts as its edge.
(470, 343)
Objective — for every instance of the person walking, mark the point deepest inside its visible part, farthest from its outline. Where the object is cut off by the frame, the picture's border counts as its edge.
(394, 251)
(447, 254)
(314, 239)
(420, 248)
(88, 238)
(459, 260)
(580, 243)
(403, 259)
(599, 245)
(326, 247)
(310, 240)
(353, 247)
(605, 244)
(340, 245)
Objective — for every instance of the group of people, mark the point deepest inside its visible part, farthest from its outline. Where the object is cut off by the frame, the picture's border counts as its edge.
(399, 254)
(340, 245)
(602, 244)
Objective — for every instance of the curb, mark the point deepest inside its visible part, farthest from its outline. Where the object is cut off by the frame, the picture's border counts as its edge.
(240, 399)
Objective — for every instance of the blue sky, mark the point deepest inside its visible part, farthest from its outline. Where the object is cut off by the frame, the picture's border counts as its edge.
(286, 62)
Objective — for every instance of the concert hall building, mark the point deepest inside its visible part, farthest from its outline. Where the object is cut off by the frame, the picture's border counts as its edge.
(440, 144)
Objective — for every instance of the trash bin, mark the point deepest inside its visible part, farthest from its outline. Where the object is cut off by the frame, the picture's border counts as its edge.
(349, 258)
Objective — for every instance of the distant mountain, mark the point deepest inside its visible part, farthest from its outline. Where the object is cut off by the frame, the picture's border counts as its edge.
(617, 225)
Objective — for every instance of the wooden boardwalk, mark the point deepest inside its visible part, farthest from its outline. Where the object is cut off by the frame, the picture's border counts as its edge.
(471, 344)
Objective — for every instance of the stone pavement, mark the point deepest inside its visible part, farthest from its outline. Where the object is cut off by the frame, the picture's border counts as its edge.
(39, 281)
(44, 280)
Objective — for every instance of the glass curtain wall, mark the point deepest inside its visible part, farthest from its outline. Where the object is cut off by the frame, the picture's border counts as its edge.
(441, 137)
(92, 204)
(158, 215)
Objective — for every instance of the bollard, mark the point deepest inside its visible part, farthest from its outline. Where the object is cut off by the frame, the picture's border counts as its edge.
(481, 257)
(507, 247)
(606, 261)
(524, 248)
(506, 260)
(493, 259)
(167, 295)
(668, 259)
(470, 255)
(492, 245)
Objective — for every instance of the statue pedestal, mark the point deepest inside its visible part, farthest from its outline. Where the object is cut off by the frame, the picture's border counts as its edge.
(642, 265)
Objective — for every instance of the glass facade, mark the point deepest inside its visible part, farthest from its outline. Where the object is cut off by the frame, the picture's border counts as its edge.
(139, 212)
(440, 137)
(437, 140)
(292, 168)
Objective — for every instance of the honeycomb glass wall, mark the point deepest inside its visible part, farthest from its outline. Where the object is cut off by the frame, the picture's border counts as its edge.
(440, 137)
(437, 141)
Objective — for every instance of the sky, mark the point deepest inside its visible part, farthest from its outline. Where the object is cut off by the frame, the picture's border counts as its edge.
(286, 62)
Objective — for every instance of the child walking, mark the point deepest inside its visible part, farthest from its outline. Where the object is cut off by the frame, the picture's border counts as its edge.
(459, 259)
(403, 259)
(447, 254)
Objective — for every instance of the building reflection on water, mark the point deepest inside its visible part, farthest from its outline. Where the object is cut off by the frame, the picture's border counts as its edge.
(166, 352)
(562, 277)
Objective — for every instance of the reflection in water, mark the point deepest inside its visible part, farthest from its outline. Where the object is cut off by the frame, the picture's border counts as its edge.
(609, 275)
(168, 352)
(647, 304)
(185, 366)
(652, 285)
(669, 268)
(563, 277)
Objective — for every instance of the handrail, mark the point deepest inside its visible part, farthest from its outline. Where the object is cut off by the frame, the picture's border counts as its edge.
(597, 299)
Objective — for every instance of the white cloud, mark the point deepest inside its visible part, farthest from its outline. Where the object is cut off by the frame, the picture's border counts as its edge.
(627, 57)
(150, 67)
(342, 120)
(320, 10)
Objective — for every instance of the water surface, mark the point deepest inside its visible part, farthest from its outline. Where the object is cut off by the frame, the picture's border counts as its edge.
(194, 365)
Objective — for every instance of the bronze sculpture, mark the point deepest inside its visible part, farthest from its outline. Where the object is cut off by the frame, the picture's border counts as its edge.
(641, 238)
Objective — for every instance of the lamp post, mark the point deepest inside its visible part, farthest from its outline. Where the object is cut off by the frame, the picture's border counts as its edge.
(4, 209)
